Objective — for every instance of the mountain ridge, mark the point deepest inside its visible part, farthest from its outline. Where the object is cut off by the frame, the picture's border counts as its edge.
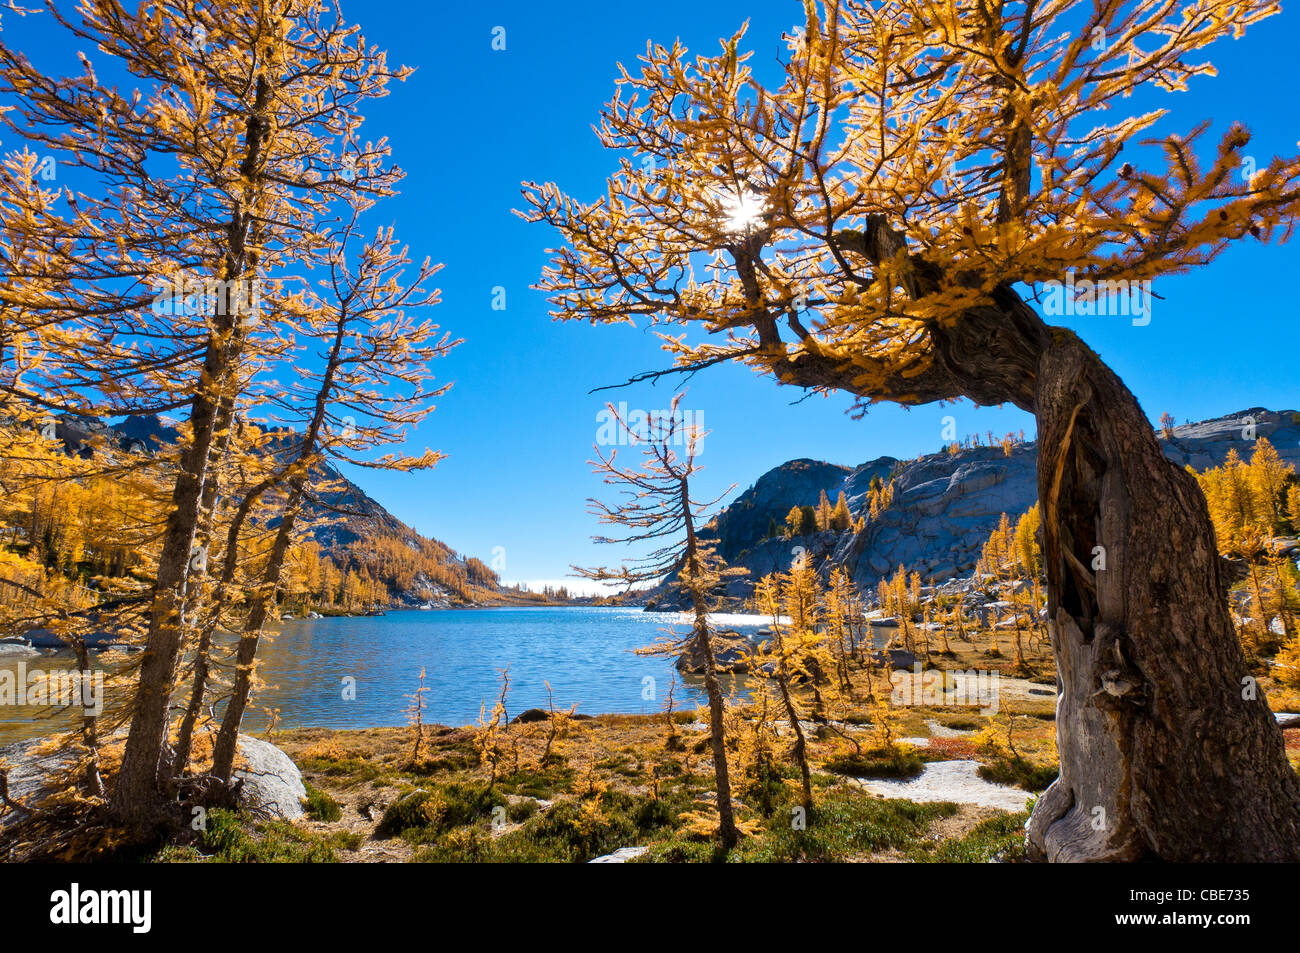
(945, 504)
(338, 515)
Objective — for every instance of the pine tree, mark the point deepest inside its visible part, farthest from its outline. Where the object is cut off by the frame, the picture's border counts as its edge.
(841, 519)
(239, 147)
(822, 514)
(794, 522)
(415, 715)
(378, 350)
(797, 654)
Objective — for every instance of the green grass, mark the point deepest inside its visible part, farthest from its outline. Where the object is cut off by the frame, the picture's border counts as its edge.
(900, 761)
(521, 811)
(454, 824)
(349, 772)
(425, 813)
(844, 825)
(999, 838)
(680, 851)
(231, 837)
(545, 784)
(346, 840)
(320, 806)
(1023, 774)
(571, 831)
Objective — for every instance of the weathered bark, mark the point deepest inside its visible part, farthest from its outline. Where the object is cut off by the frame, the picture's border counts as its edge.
(1166, 752)
(137, 795)
(194, 707)
(1161, 755)
(196, 590)
(202, 653)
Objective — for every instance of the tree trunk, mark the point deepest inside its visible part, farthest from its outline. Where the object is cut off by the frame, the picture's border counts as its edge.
(140, 794)
(196, 588)
(1167, 750)
(138, 799)
(717, 741)
(717, 730)
(800, 747)
(223, 755)
(202, 652)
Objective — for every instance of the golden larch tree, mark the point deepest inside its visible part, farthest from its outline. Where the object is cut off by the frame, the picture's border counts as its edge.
(863, 225)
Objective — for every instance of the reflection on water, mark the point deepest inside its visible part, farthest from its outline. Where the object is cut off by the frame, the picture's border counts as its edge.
(587, 655)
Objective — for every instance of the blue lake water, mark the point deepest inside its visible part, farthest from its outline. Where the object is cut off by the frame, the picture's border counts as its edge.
(587, 654)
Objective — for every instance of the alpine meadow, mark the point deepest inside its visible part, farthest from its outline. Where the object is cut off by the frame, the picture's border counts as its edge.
(865, 432)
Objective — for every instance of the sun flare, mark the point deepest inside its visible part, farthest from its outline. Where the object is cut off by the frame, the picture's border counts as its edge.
(742, 213)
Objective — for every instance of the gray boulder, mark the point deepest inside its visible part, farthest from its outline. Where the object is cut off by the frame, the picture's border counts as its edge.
(272, 782)
(895, 658)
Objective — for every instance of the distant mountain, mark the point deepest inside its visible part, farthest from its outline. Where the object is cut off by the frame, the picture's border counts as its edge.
(341, 517)
(945, 505)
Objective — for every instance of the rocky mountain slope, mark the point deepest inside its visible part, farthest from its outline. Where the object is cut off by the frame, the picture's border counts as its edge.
(338, 516)
(945, 505)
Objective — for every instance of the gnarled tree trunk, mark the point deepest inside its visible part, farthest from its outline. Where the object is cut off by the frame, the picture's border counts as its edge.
(1167, 751)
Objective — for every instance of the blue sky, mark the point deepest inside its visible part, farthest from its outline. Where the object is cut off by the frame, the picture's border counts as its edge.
(519, 423)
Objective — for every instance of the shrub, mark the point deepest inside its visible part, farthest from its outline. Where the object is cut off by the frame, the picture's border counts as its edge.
(431, 811)
(584, 830)
(899, 761)
(320, 806)
(231, 838)
(682, 852)
(1021, 773)
(844, 825)
(521, 811)
(999, 838)
(327, 749)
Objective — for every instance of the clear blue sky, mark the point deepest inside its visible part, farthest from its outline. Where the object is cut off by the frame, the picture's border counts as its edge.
(519, 424)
